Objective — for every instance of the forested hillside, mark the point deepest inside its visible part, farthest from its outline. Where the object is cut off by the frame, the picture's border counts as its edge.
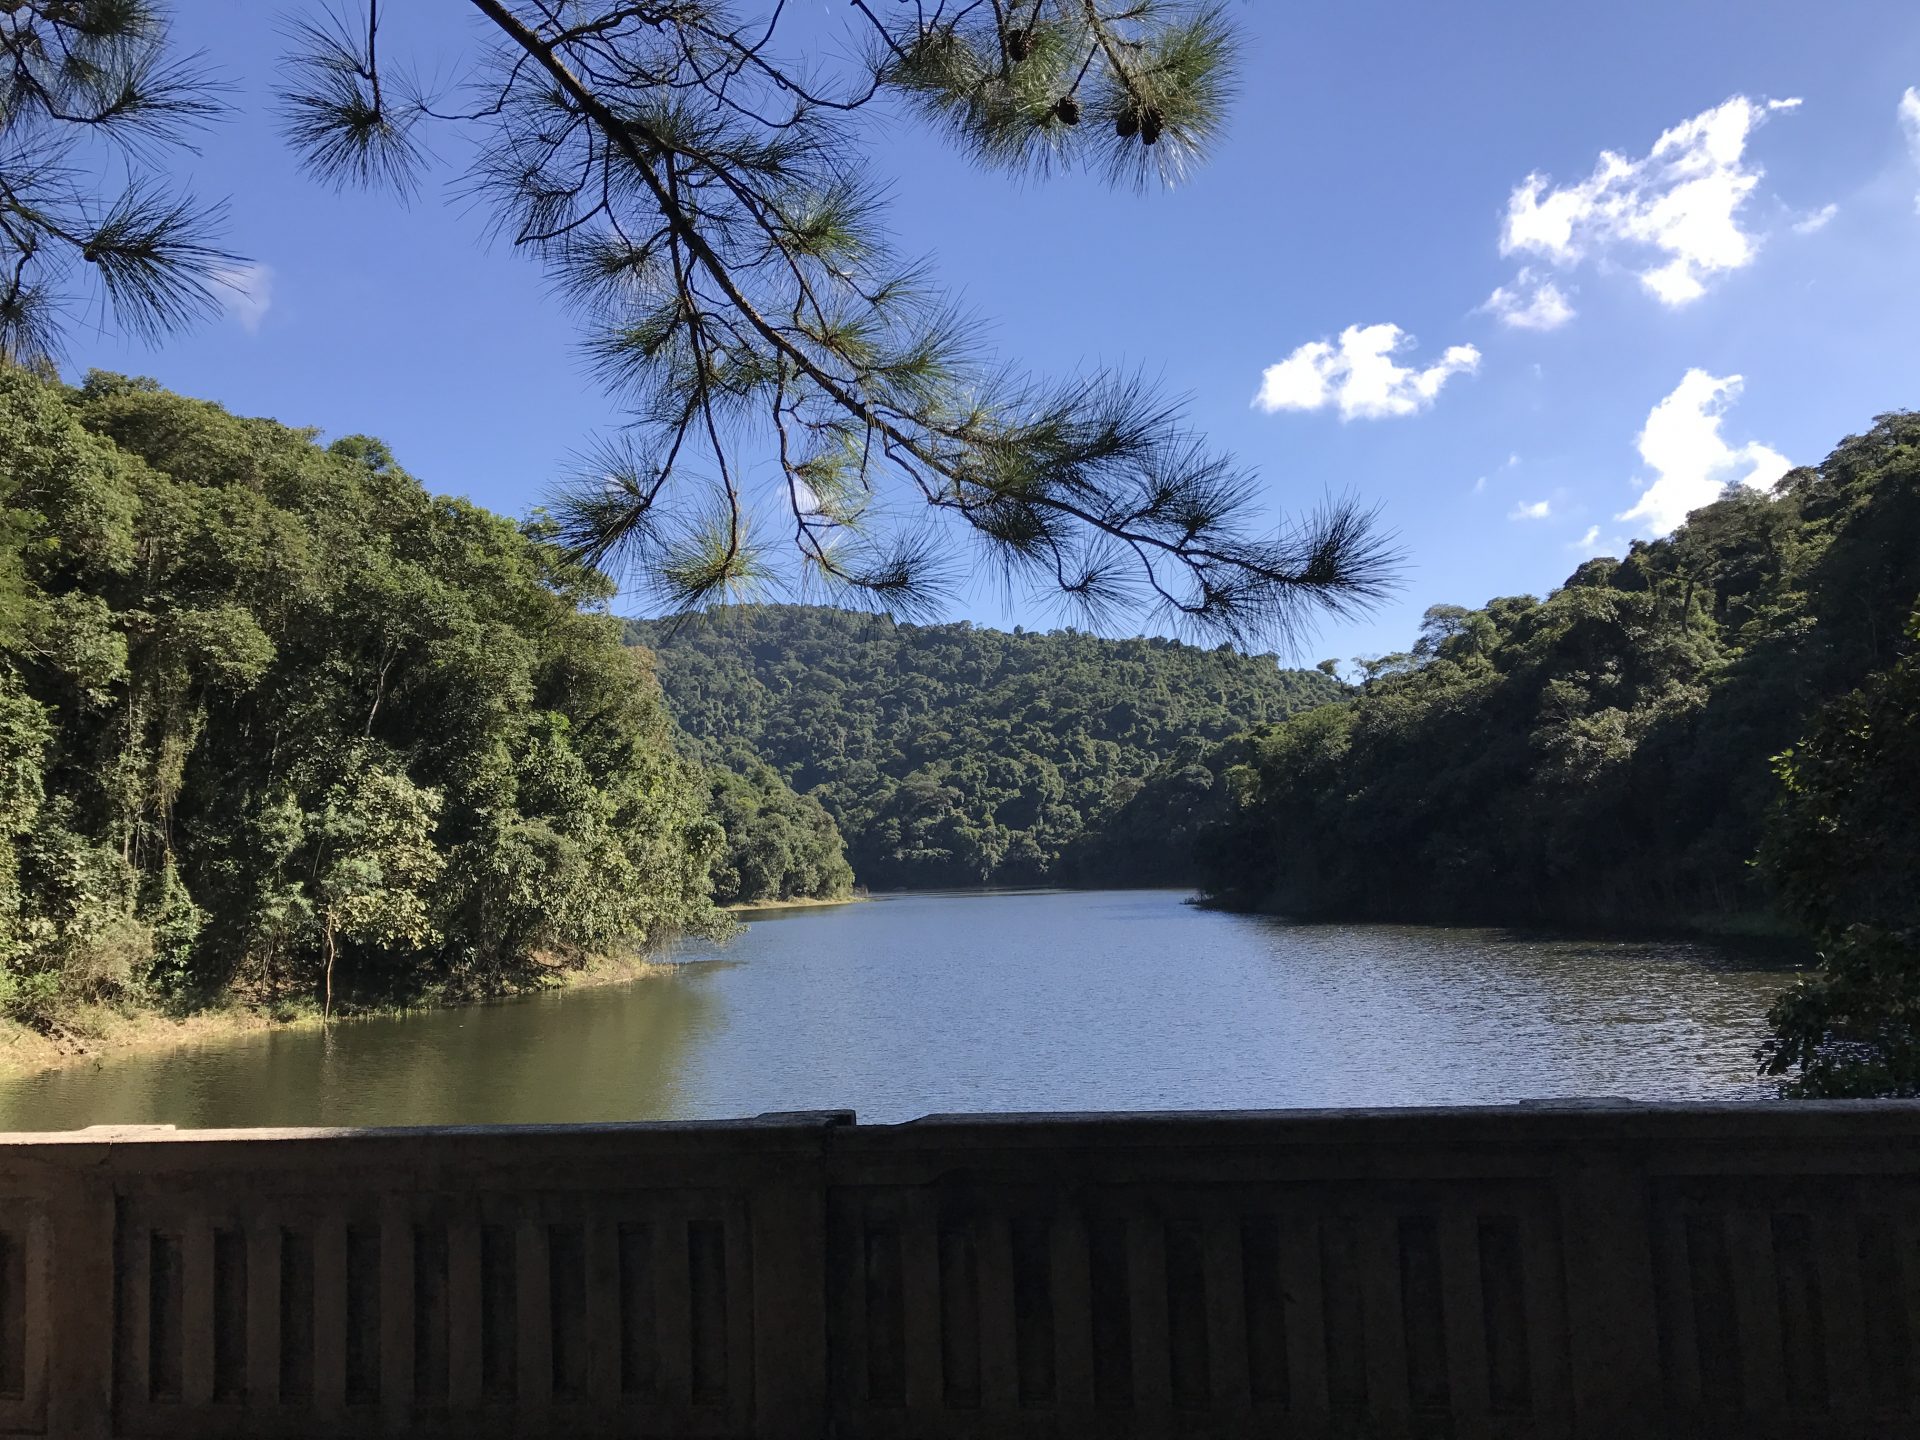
(779, 845)
(954, 755)
(1609, 753)
(272, 714)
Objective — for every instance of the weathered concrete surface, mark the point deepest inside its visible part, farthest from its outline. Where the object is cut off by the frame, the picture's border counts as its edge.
(1586, 1270)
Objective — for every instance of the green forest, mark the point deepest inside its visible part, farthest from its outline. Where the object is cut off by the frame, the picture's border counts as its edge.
(1607, 753)
(779, 845)
(1717, 730)
(956, 755)
(278, 722)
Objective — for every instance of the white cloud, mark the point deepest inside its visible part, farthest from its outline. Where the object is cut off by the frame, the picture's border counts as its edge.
(246, 293)
(1587, 541)
(1910, 123)
(1359, 375)
(1690, 460)
(1480, 485)
(1532, 302)
(1538, 510)
(1815, 222)
(1677, 209)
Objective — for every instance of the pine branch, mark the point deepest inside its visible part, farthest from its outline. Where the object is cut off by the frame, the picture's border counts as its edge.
(700, 202)
(337, 113)
(74, 71)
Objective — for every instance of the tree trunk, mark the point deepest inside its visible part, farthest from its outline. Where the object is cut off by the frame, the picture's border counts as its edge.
(326, 1006)
(380, 685)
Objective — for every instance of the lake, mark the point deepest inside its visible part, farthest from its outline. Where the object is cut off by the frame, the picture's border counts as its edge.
(918, 1004)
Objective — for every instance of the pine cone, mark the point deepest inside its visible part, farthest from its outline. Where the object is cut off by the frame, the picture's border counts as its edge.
(1150, 124)
(1127, 125)
(1067, 110)
(1019, 45)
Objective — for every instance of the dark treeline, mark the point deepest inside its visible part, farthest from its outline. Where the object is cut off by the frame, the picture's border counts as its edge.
(274, 718)
(1606, 754)
(1843, 854)
(953, 755)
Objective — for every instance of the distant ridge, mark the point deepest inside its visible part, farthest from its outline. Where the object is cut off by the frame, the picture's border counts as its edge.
(958, 754)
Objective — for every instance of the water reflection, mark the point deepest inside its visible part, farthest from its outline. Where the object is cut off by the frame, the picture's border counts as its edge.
(612, 1054)
(918, 1004)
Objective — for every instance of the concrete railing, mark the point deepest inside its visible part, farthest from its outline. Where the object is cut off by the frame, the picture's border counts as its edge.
(1591, 1270)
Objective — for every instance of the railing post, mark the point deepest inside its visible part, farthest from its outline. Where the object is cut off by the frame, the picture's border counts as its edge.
(790, 1292)
(1611, 1322)
(80, 1305)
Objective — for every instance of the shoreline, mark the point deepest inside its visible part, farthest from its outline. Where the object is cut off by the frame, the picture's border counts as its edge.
(97, 1033)
(1755, 930)
(804, 902)
(101, 1032)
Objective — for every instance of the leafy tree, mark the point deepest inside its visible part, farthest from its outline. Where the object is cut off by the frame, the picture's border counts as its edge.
(1149, 830)
(780, 845)
(374, 867)
(700, 198)
(277, 721)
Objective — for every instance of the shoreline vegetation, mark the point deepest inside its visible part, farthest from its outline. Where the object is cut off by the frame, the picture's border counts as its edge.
(103, 1032)
(1628, 747)
(277, 722)
(1759, 928)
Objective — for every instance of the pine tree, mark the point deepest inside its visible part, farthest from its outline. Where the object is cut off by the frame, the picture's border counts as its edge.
(700, 198)
(87, 80)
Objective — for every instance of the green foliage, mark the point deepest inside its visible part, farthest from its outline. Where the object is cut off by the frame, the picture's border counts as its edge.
(375, 865)
(780, 845)
(265, 706)
(951, 755)
(1605, 754)
(81, 75)
(1843, 853)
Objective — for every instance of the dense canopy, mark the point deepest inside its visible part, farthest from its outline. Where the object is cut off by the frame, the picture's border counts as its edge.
(1605, 754)
(957, 755)
(267, 706)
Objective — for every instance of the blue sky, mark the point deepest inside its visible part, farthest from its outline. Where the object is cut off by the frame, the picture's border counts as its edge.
(1387, 165)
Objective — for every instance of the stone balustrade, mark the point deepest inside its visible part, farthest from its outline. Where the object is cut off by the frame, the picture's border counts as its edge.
(1588, 1270)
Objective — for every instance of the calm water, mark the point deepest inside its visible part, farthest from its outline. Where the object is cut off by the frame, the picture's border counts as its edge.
(919, 1004)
